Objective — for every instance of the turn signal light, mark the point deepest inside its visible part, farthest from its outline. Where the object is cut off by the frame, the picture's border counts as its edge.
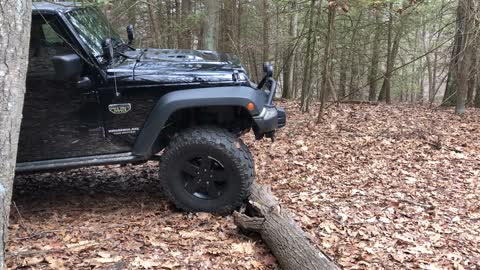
(251, 106)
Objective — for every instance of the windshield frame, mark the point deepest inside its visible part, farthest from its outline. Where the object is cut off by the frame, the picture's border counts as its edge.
(92, 44)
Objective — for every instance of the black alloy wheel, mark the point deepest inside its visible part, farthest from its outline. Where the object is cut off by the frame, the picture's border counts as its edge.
(205, 177)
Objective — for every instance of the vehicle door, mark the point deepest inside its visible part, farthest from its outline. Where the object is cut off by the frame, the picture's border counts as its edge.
(60, 120)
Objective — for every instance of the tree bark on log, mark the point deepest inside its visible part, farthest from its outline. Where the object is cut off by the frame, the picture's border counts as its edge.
(287, 241)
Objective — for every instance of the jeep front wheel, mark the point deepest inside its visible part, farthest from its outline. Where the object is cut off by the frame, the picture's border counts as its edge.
(207, 170)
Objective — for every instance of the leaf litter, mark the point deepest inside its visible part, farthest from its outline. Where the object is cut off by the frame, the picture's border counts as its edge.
(376, 187)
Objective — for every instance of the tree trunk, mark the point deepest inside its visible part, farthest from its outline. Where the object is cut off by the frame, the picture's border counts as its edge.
(239, 28)
(306, 82)
(290, 64)
(327, 65)
(169, 5)
(476, 102)
(451, 90)
(266, 31)
(417, 71)
(15, 17)
(421, 83)
(472, 80)
(314, 46)
(162, 19)
(153, 25)
(465, 57)
(225, 43)
(433, 94)
(342, 91)
(210, 23)
(287, 241)
(381, 96)
(385, 93)
(372, 77)
(185, 41)
(429, 63)
(177, 24)
(354, 91)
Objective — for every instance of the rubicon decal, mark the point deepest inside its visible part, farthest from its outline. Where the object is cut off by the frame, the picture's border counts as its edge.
(120, 108)
(124, 131)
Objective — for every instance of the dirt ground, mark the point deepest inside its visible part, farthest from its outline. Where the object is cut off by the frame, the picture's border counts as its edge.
(377, 187)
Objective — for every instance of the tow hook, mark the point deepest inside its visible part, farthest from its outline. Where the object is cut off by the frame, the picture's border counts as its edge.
(270, 135)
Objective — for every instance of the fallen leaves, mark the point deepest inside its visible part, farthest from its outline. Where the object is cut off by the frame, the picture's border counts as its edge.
(81, 246)
(377, 187)
(105, 258)
(388, 177)
(154, 262)
(245, 248)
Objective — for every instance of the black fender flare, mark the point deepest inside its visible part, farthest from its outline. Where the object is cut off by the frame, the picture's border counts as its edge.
(239, 96)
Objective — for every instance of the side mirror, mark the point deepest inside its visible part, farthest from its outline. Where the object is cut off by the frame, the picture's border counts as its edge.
(84, 83)
(107, 49)
(268, 69)
(130, 34)
(67, 67)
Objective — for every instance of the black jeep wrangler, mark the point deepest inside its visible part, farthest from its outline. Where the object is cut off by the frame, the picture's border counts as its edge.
(93, 99)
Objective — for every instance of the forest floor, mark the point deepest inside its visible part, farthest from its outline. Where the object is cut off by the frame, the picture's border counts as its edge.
(387, 187)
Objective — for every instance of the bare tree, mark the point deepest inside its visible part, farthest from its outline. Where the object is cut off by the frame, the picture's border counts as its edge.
(372, 93)
(266, 32)
(153, 25)
(15, 19)
(465, 56)
(186, 33)
(392, 49)
(310, 53)
(227, 19)
(291, 52)
(210, 23)
(459, 43)
(327, 65)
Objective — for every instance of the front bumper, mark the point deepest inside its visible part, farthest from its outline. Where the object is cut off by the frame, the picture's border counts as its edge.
(269, 120)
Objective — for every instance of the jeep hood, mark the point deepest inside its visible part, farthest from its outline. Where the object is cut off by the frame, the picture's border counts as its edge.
(162, 66)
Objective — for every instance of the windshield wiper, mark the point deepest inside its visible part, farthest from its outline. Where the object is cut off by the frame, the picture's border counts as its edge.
(117, 48)
(119, 43)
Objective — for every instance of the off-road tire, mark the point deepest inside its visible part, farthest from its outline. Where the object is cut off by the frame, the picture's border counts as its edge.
(223, 146)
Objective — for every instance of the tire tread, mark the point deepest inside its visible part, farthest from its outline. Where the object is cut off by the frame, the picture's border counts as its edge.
(223, 140)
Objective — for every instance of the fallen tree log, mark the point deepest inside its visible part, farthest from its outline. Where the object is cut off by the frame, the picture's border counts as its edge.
(285, 238)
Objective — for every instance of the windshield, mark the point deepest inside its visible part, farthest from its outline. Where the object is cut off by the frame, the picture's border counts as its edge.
(92, 27)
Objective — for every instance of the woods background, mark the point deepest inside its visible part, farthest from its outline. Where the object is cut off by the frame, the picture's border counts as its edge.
(422, 52)
(376, 187)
